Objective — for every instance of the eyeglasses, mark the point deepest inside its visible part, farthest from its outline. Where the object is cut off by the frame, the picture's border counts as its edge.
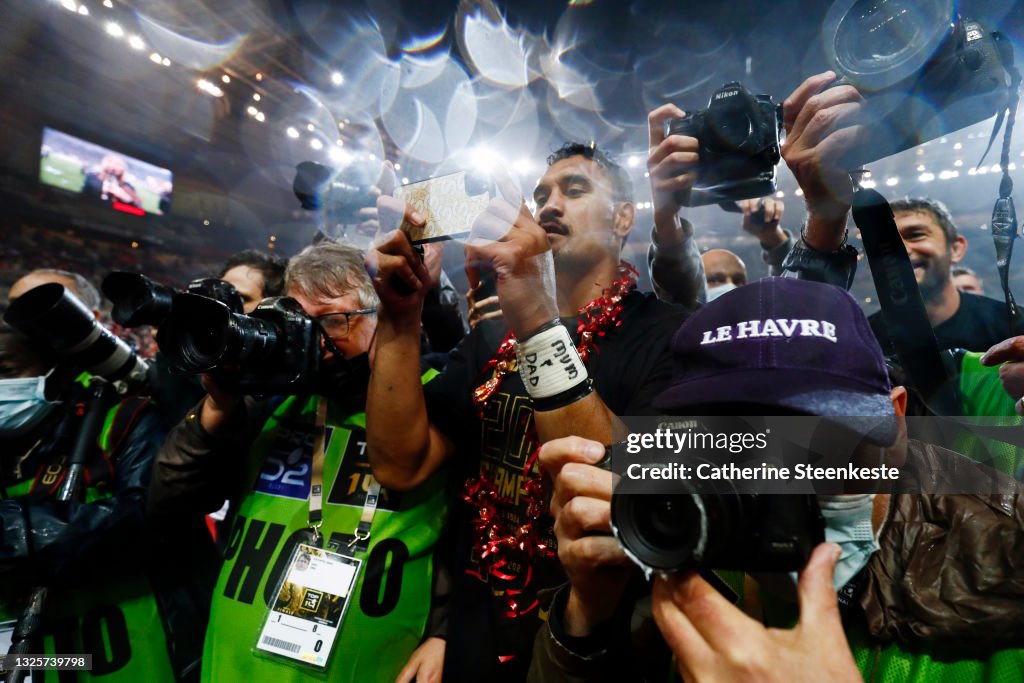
(339, 324)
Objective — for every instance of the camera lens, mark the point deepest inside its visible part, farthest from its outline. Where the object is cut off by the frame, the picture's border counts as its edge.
(137, 299)
(202, 348)
(732, 129)
(669, 520)
(877, 43)
(52, 316)
(202, 334)
(662, 531)
(215, 288)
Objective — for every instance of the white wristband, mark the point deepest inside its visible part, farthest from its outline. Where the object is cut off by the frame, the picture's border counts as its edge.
(549, 363)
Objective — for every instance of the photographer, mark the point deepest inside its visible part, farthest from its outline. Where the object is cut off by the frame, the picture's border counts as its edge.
(926, 558)
(255, 275)
(266, 455)
(73, 282)
(558, 274)
(107, 571)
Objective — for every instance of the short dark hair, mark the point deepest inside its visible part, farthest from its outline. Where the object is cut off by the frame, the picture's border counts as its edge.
(271, 266)
(622, 186)
(937, 209)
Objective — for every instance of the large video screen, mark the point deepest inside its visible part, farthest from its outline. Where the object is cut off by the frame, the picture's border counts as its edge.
(129, 184)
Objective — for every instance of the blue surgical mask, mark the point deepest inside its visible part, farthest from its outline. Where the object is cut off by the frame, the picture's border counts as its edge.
(848, 525)
(719, 290)
(23, 404)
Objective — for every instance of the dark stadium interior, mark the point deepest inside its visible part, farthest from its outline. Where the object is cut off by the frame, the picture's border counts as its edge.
(229, 96)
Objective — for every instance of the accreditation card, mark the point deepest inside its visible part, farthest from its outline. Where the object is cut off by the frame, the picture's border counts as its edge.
(448, 210)
(307, 613)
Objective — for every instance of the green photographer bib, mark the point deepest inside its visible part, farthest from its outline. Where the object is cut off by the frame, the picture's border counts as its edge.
(116, 619)
(390, 601)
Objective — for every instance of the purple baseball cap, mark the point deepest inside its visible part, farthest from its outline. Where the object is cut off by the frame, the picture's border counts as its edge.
(786, 343)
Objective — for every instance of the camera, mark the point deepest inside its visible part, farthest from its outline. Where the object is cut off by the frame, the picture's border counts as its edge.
(275, 350)
(747, 532)
(923, 69)
(669, 526)
(343, 192)
(141, 301)
(739, 136)
(51, 316)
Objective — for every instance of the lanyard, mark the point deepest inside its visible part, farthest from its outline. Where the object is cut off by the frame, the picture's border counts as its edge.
(316, 498)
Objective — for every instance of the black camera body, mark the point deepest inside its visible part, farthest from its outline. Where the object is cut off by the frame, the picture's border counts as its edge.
(739, 135)
(275, 350)
(342, 192)
(685, 531)
(924, 70)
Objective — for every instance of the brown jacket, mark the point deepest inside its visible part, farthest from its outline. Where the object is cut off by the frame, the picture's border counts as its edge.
(950, 567)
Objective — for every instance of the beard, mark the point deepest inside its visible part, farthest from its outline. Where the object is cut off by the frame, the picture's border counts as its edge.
(934, 277)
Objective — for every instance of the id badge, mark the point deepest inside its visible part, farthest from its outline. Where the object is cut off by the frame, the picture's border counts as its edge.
(310, 604)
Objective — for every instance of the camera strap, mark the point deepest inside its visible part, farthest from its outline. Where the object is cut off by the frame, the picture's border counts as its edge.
(316, 476)
(361, 534)
(903, 308)
(1004, 215)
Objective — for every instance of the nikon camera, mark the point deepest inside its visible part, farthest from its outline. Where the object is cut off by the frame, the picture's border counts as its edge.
(739, 135)
(275, 350)
(141, 301)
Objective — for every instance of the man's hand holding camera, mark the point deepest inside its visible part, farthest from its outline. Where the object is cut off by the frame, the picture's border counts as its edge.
(714, 641)
(821, 130)
(598, 570)
(218, 407)
(672, 164)
(1009, 353)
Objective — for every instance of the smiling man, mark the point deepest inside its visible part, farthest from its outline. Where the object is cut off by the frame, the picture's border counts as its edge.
(959, 319)
(577, 345)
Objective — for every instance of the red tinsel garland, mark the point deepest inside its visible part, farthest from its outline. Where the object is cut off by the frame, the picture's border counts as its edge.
(497, 544)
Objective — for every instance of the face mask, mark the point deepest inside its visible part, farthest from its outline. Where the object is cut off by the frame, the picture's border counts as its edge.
(848, 525)
(719, 290)
(23, 404)
(343, 377)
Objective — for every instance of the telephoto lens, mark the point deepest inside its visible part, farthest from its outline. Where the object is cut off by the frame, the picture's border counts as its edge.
(141, 301)
(274, 350)
(52, 316)
(137, 299)
(203, 334)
